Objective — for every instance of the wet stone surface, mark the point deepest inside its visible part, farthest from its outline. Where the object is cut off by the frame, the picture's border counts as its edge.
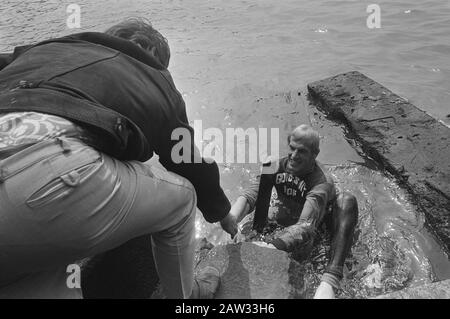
(252, 272)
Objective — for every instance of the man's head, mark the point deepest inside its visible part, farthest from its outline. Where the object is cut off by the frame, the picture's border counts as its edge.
(303, 144)
(141, 32)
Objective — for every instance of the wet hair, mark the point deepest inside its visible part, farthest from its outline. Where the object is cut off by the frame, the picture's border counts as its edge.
(141, 32)
(308, 135)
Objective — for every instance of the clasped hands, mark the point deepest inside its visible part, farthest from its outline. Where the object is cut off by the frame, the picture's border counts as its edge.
(229, 224)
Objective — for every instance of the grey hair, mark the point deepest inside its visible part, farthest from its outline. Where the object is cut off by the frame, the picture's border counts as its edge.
(141, 32)
(308, 134)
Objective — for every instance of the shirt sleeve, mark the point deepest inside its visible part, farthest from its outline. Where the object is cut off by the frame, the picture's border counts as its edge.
(7, 58)
(316, 204)
(203, 174)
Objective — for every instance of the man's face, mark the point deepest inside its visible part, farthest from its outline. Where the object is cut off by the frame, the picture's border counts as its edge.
(300, 157)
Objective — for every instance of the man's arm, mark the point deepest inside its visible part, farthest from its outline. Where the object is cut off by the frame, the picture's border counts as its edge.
(312, 214)
(316, 203)
(239, 209)
(245, 203)
(5, 59)
(204, 176)
(253, 194)
(256, 196)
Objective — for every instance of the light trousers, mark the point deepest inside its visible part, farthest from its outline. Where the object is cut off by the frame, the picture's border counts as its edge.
(61, 201)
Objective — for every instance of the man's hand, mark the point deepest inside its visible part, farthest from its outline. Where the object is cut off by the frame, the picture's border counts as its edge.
(324, 291)
(239, 209)
(229, 225)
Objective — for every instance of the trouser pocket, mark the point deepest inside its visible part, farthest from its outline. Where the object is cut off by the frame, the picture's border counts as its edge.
(63, 186)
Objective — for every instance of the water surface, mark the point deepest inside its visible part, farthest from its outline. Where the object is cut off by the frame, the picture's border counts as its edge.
(243, 63)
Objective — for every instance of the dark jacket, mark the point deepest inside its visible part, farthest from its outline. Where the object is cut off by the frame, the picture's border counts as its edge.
(314, 190)
(117, 91)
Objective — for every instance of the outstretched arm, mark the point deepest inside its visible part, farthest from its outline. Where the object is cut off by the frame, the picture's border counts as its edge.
(244, 205)
(204, 176)
(187, 161)
(312, 214)
(239, 209)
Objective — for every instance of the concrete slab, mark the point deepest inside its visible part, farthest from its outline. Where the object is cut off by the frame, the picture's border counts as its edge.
(249, 271)
(409, 143)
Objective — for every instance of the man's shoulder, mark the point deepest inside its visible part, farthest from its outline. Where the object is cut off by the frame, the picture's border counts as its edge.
(320, 175)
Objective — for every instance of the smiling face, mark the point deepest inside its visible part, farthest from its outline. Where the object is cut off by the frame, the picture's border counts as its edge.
(301, 157)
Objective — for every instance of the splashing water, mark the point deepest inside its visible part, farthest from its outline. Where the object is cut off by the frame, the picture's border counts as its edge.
(386, 254)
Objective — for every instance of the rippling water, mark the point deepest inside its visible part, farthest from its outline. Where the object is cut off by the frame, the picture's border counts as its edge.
(218, 45)
(392, 248)
(241, 64)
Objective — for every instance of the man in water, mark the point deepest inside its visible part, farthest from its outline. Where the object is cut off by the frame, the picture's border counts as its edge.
(307, 194)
